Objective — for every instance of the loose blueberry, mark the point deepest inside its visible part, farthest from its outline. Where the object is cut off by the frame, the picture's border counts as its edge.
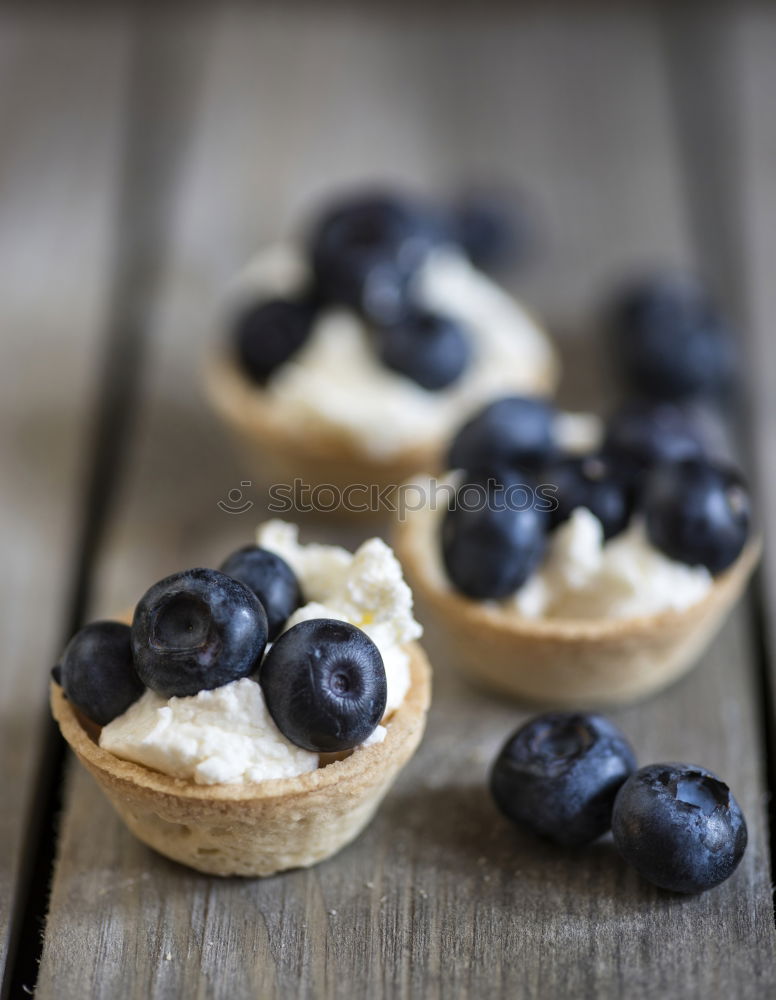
(559, 774)
(197, 630)
(513, 432)
(430, 349)
(698, 512)
(591, 481)
(642, 435)
(366, 250)
(679, 826)
(270, 578)
(97, 673)
(268, 334)
(324, 684)
(669, 341)
(493, 227)
(493, 538)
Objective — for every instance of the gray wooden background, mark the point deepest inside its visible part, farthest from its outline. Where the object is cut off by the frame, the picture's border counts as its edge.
(146, 150)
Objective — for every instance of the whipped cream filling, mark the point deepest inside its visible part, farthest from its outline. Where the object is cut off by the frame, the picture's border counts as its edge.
(585, 577)
(227, 734)
(223, 735)
(365, 588)
(337, 380)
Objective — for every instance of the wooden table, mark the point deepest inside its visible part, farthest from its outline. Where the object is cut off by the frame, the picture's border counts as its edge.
(647, 134)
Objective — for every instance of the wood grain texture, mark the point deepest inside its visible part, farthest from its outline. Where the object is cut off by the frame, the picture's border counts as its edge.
(58, 84)
(754, 41)
(439, 897)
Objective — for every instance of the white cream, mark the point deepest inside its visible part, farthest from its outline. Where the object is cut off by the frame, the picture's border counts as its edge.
(584, 577)
(227, 734)
(337, 380)
(578, 433)
(365, 588)
(224, 735)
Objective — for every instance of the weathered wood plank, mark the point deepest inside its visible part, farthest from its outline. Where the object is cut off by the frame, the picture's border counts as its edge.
(755, 40)
(439, 897)
(58, 80)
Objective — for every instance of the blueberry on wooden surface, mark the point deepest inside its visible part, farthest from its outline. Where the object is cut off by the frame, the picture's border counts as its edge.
(558, 775)
(679, 826)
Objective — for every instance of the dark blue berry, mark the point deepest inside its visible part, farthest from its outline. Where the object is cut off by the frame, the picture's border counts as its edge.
(642, 435)
(698, 512)
(97, 674)
(366, 250)
(669, 340)
(493, 227)
(197, 630)
(513, 432)
(270, 578)
(493, 538)
(679, 826)
(591, 481)
(324, 684)
(559, 774)
(430, 349)
(269, 333)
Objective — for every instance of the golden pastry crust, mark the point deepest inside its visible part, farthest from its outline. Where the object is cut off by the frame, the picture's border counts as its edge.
(266, 827)
(561, 662)
(322, 455)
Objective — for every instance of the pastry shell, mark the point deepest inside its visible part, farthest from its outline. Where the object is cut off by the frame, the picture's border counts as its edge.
(263, 828)
(279, 452)
(565, 663)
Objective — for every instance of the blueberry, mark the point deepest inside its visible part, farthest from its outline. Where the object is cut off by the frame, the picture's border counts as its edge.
(513, 432)
(271, 579)
(559, 774)
(366, 250)
(592, 481)
(679, 826)
(698, 512)
(96, 672)
(197, 630)
(643, 434)
(493, 538)
(430, 349)
(324, 684)
(669, 340)
(269, 333)
(493, 228)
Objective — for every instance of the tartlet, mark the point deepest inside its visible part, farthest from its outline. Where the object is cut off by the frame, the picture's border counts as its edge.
(561, 662)
(276, 451)
(322, 380)
(259, 829)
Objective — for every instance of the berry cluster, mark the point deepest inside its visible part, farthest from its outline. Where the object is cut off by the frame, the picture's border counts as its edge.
(652, 461)
(364, 254)
(571, 777)
(323, 680)
(669, 341)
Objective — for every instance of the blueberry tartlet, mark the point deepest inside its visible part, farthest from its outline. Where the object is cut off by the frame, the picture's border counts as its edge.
(578, 579)
(250, 719)
(350, 356)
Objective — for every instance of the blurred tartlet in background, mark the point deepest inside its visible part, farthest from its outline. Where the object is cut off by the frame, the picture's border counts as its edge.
(349, 356)
(578, 580)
